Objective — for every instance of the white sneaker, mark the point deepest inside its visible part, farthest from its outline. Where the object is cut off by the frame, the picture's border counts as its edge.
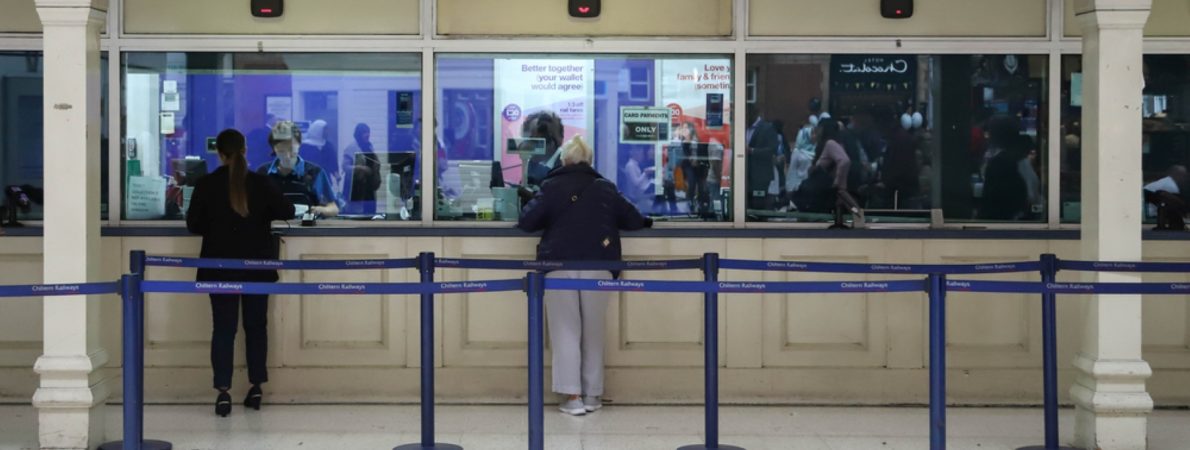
(573, 407)
(592, 403)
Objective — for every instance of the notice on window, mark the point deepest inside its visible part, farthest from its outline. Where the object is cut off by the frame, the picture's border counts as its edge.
(1076, 89)
(565, 87)
(404, 110)
(145, 198)
(644, 125)
(279, 107)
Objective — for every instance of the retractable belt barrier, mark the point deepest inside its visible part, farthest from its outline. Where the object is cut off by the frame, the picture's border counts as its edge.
(188, 287)
(59, 290)
(904, 269)
(268, 264)
(936, 284)
(1109, 266)
(732, 287)
(503, 264)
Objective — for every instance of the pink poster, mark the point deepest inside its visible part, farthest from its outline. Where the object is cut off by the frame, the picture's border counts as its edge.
(527, 86)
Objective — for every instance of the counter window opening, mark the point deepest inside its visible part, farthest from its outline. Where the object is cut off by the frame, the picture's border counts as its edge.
(660, 127)
(22, 133)
(1165, 145)
(355, 121)
(964, 134)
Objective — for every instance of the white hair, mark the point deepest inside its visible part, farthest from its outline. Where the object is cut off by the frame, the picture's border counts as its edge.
(576, 151)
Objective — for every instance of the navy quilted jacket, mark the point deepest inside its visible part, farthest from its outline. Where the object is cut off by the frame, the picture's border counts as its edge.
(582, 215)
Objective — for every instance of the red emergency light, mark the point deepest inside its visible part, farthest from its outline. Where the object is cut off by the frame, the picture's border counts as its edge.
(585, 9)
(896, 9)
(268, 8)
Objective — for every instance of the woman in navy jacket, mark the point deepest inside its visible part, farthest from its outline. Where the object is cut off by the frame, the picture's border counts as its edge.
(581, 214)
(233, 209)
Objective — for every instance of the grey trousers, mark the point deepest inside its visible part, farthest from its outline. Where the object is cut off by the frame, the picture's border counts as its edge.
(577, 321)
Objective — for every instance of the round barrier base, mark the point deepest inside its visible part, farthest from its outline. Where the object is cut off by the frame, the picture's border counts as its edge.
(704, 447)
(1042, 447)
(145, 445)
(436, 446)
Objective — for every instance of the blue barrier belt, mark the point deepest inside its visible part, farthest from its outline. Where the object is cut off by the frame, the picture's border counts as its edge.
(222, 287)
(502, 264)
(1120, 266)
(55, 290)
(1033, 287)
(755, 287)
(906, 269)
(264, 264)
(1119, 288)
(1003, 287)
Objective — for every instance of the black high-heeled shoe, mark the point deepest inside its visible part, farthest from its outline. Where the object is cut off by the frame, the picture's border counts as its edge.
(223, 404)
(253, 398)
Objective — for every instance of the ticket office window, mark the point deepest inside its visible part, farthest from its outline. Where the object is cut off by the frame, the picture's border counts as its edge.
(964, 134)
(1164, 148)
(22, 133)
(357, 118)
(660, 127)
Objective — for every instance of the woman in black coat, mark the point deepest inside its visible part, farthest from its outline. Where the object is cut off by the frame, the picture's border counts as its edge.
(581, 214)
(233, 209)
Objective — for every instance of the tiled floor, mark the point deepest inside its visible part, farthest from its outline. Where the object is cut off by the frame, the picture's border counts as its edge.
(619, 428)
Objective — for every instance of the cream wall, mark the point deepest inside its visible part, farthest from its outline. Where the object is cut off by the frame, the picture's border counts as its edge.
(233, 17)
(982, 18)
(844, 349)
(619, 18)
(20, 16)
(1170, 18)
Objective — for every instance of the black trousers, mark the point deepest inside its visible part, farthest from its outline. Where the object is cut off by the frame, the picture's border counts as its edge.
(225, 312)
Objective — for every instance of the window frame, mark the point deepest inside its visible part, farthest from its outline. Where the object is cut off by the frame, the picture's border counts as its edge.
(115, 41)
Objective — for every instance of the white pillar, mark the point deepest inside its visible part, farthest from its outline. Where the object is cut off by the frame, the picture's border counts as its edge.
(72, 391)
(1109, 393)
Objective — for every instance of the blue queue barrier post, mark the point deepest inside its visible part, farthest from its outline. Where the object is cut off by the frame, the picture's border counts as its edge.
(710, 272)
(535, 287)
(133, 335)
(937, 293)
(1049, 355)
(425, 266)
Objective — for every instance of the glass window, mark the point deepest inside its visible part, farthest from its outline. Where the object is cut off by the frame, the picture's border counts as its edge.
(897, 136)
(356, 116)
(660, 127)
(22, 130)
(1165, 145)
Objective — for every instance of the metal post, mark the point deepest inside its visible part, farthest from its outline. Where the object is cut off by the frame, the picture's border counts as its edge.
(133, 335)
(425, 267)
(710, 272)
(536, 290)
(937, 362)
(1049, 355)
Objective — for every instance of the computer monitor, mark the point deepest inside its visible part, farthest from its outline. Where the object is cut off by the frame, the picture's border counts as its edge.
(471, 180)
(187, 171)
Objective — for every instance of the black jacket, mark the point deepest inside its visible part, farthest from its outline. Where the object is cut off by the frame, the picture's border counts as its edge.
(582, 215)
(227, 235)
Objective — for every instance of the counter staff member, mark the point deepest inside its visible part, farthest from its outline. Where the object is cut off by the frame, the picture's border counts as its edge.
(233, 209)
(296, 176)
(582, 215)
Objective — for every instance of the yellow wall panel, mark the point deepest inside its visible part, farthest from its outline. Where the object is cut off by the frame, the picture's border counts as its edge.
(384, 17)
(619, 18)
(1170, 18)
(1016, 18)
(19, 16)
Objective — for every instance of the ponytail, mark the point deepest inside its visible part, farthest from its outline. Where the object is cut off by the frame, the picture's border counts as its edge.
(231, 145)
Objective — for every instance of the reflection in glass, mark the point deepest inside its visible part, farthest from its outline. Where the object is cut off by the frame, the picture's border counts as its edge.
(1164, 148)
(349, 113)
(660, 126)
(22, 129)
(963, 134)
